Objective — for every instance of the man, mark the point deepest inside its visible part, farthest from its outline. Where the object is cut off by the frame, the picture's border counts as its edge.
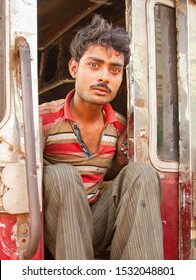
(85, 144)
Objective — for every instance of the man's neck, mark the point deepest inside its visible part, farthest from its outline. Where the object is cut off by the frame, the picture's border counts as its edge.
(85, 112)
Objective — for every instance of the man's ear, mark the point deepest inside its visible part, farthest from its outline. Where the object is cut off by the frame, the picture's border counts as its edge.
(73, 64)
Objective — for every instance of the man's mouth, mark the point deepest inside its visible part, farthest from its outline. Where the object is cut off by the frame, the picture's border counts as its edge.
(102, 88)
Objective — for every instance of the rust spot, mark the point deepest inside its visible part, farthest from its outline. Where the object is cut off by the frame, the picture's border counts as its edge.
(142, 132)
(193, 2)
(142, 149)
(11, 148)
(22, 157)
(139, 103)
(23, 232)
(21, 42)
(194, 194)
(23, 228)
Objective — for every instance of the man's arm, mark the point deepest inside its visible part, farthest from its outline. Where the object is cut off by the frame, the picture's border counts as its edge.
(120, 159)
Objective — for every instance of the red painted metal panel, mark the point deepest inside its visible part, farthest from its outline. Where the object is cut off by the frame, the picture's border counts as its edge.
(8, 247)
(185, 218)
(8, 239)
(170, 215)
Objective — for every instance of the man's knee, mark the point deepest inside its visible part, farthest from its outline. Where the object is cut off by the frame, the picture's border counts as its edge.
(143, 173)
(135, 169)
(62, 176)
(140, 168)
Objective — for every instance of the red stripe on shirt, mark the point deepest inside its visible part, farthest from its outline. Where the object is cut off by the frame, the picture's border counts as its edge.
(59, 148)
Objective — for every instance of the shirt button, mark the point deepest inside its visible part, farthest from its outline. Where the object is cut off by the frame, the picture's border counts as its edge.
(75, 126)
(82, 145)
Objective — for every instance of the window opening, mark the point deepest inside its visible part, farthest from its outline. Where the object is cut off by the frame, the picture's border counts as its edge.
(166, 83)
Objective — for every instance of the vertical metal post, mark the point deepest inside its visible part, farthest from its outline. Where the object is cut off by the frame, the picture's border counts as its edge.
(31, 169)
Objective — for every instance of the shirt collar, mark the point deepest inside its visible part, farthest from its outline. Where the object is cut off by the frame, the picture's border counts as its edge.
(67, 112)
(110, 116)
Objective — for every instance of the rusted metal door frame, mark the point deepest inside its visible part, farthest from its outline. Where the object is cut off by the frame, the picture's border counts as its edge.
(192, 80)
(23, 50)
(20, 20)
(186, 31)
(141, 102)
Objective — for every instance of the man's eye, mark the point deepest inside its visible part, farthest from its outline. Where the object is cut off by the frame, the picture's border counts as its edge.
(93, 64)
(116, 70)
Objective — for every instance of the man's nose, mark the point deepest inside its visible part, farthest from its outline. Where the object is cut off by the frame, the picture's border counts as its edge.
(104, 76)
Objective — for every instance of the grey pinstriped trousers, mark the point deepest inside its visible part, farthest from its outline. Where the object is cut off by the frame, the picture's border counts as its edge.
(127, 216)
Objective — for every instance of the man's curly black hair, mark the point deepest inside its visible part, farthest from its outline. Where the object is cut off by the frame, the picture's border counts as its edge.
(100, 32)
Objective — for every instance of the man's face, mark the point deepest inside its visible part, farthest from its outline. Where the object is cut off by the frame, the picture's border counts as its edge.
(98, 74)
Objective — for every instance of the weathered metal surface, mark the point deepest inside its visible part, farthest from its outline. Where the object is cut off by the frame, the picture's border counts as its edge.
(30, 148)
(194, 193)
(192, 70)
(162, 86)
(14, 235)
(20, 20)
(139, 75)
(8, 239)
(14, 200)
(170, 216)
(192, 80)
(186, 83)
(142, 13)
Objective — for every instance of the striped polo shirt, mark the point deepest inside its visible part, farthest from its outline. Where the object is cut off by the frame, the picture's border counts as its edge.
(63, 143)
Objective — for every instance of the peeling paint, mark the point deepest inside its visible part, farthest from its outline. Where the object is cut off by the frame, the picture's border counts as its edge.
(139, 103)
(14, 231)
(2, 225)
(142, 132)
(9, 248)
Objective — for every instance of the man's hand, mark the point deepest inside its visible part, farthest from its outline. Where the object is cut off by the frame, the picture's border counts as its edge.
(121, 158)
(122, 153)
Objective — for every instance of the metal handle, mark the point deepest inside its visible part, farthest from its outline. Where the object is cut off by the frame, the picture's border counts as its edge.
(29, 134)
